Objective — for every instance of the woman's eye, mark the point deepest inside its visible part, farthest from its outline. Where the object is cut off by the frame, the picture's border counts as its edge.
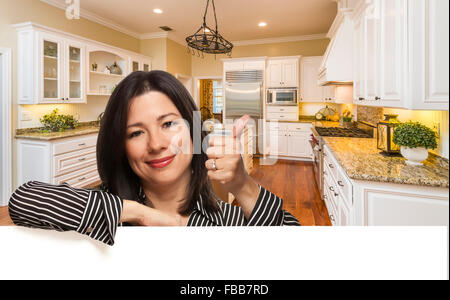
(134, 134)
(169, 124)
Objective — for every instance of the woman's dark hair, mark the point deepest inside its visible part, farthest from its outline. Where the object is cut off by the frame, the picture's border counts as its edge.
(113, 167)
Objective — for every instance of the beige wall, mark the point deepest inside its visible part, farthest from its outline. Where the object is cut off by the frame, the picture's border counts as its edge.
(157, 50)
(178, 60)
(212, 65)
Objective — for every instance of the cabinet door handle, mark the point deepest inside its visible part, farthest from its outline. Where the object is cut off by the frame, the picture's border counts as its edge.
(81, 159)
(82, 144)
(324, 173)
(361, 99)
(332, 218)
(331, 188)
(331, 166)
(82, 178)
(377, 98)
(340, 183)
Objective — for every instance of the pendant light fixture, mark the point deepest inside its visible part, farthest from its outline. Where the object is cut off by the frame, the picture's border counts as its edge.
(208, 40)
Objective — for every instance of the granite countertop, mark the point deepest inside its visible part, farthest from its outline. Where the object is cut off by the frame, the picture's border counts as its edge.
(361, 160)
(313, 121)
(35, 134)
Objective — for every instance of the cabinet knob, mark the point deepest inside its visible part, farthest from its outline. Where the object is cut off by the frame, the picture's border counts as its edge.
(331, 188)
(377, 98)
(361, 99)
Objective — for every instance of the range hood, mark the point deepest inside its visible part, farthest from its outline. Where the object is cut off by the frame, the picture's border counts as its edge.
(337, 63)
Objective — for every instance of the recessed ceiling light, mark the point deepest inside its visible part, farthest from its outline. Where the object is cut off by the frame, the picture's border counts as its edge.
(262, 24)
(157, 11)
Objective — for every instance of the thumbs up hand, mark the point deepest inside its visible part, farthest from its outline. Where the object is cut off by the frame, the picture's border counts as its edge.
(225, 162)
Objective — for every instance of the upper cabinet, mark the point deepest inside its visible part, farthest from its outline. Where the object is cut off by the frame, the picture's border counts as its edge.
(56, 67)
(401, 58)
(140, 63)
(50, 69)
(283, 72)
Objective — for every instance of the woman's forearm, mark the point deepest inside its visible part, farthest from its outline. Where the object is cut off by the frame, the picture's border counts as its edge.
(138, 214)
(247, 196)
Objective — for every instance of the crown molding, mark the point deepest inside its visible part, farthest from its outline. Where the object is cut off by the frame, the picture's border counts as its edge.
(94, 18)
(153, 35)
(282, 39)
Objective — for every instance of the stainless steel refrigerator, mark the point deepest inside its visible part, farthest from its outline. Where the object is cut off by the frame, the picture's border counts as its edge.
(244, 95)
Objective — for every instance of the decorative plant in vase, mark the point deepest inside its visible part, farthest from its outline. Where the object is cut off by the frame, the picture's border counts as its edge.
(414, 140)
(347, 118)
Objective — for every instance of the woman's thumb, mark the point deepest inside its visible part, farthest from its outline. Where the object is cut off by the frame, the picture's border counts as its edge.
(240, 125)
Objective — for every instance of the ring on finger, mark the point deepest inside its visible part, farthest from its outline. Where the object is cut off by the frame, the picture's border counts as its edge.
(213, 165)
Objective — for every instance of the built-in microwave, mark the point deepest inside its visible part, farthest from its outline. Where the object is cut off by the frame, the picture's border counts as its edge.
(282, 96)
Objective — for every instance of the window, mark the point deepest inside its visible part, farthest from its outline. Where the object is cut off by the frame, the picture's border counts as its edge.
(217, 97)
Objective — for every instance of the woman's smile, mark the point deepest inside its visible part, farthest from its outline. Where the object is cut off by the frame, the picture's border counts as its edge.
(161, 163)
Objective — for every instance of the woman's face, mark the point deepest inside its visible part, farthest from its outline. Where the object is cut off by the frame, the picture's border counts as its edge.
(155, 131)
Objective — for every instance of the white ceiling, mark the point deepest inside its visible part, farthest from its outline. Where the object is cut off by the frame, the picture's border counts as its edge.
(237, 19)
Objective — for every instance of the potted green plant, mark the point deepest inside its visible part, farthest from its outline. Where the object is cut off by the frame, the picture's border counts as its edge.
(57, 123)
(414, 140)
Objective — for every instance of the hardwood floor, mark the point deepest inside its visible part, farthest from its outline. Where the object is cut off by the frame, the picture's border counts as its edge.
(293, 181)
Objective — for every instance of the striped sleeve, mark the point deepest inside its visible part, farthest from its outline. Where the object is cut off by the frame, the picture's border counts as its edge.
(64, 208)
(268, 211)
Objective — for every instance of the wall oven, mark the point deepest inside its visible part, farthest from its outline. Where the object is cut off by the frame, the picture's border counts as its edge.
(282, 96)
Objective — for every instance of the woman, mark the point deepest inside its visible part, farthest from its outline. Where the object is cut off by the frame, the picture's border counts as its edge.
(153, 171)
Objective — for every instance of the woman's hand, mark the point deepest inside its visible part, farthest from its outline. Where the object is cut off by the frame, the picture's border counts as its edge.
(225, 153)
(141, 215)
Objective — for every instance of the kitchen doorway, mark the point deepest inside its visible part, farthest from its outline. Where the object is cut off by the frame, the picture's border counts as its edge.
(209, 97)
(5, 126)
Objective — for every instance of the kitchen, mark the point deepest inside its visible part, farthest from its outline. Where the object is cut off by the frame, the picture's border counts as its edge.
(318, 94)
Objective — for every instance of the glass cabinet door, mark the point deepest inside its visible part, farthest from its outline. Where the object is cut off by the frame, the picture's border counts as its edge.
(135, 66)
(75, 78)
(52, 91)
(146, 67)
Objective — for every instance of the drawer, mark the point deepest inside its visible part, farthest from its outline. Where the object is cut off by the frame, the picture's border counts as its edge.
(74, 144)
(303, 134)
(72, 161)
(282, 109)
(79, 178)
(346, 187)
(330, 163)
(306, 127)
(282, 116)
(274, 126)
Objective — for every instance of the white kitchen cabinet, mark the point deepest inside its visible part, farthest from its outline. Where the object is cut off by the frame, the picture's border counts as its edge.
(310, 90)
(50, 68)
(428, 43)
(402, 54)
(72, 160)
(290, 140)
(282, 113)
(247, 64)
(283, 72)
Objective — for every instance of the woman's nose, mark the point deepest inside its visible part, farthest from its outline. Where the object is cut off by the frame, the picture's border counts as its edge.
(156, 141)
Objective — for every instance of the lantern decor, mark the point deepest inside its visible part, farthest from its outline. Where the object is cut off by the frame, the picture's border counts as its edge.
(385, 135)
(208, 40)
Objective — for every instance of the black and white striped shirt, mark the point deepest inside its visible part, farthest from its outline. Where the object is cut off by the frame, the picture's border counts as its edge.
(96, 213)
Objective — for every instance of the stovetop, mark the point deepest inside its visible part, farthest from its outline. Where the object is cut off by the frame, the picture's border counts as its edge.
(342, 132)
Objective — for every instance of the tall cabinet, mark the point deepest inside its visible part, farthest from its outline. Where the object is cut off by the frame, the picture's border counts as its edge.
(401, 57)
